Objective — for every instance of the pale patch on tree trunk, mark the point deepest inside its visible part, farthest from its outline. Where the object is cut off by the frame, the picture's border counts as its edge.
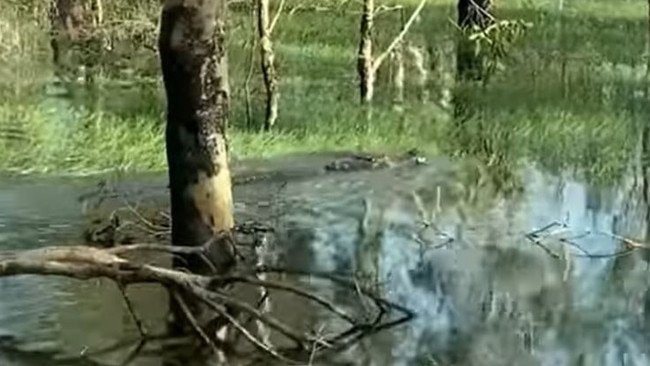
(195, 74)
(265, 28)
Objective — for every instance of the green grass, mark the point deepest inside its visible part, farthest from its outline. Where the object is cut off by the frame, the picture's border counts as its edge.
(99, 142)
(567, 99)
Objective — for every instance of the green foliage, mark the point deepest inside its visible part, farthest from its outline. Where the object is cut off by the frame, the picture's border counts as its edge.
(493, 43)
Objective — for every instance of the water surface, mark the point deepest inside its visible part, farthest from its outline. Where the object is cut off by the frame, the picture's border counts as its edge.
(482, 292)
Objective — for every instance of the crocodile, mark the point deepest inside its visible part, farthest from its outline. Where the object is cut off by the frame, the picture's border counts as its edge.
(359, 162)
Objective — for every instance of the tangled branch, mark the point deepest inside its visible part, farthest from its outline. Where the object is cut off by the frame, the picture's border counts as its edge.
(84, 262)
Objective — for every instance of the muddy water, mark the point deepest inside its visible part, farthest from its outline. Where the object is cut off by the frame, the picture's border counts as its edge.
(482, 292)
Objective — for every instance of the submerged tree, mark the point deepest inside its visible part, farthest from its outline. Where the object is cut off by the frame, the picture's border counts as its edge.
(265, 29)
(194, 67)
(367, 64)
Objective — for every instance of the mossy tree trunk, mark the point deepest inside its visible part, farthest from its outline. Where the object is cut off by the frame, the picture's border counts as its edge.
(267, 56)
(195, 75)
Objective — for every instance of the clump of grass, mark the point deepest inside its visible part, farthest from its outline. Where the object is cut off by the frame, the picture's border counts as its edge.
(38, 139)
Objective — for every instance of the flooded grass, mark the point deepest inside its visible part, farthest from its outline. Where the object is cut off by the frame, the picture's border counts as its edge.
(571, 94)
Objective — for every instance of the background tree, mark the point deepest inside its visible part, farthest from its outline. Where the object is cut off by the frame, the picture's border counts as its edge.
(473, 15)
(367, 64)
(74, 36)
(265, 28)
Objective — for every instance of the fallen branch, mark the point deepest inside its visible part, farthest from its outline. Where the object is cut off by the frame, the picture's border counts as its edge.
(537, 238)
(83, 262)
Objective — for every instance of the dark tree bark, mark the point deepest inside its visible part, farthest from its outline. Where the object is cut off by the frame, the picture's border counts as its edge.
(471, 14)
(194, 67)
(365, 66)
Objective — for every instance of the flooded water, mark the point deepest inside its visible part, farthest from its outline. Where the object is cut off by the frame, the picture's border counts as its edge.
(483, 292)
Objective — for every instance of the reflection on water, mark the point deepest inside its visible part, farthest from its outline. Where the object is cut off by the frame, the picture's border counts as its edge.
(488, 296)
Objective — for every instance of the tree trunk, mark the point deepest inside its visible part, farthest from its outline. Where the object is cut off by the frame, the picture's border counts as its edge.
(398, 77)
(194, 67)
(268, 64)
(469, 64)
(365, 65)
(73, 37)
(471, 13)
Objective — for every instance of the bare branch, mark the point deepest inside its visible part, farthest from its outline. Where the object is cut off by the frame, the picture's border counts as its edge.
(288, 288)
(221, 311)
(81, 262)
(134, 315)
(276, 17)
(378, 61)
(384, 9)
(190, 318)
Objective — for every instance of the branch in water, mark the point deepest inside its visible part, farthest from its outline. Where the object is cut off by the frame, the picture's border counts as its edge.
(83, 262)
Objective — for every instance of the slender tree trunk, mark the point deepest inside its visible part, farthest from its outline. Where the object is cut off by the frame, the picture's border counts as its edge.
(268, 63)
(195, 75)
(369, 245)
(398, 76)
(364, 58)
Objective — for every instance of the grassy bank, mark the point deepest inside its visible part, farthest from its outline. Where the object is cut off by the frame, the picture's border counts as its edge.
(568, 97)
